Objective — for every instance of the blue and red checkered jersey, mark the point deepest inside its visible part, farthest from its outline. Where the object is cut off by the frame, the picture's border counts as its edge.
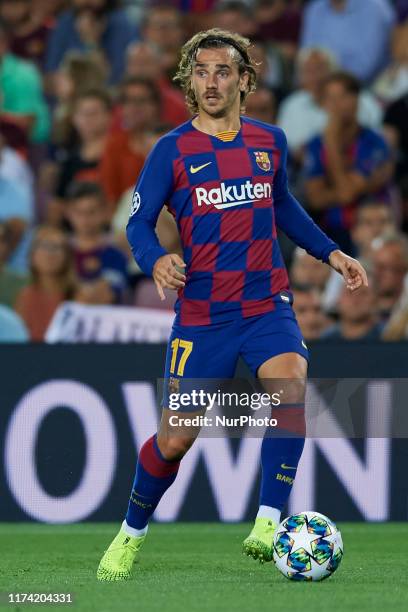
(228, 198)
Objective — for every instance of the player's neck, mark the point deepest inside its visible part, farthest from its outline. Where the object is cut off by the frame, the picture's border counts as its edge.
(214, 125)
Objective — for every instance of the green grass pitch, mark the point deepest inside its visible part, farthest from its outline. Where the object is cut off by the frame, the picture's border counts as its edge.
(188, 567)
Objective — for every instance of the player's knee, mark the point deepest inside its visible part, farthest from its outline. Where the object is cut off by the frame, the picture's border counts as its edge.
(175, 447)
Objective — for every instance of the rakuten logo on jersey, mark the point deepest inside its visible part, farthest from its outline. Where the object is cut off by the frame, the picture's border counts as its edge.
(233, 195)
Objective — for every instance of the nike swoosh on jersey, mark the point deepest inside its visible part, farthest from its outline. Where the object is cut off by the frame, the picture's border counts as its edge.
(287, 467)
(193, 169)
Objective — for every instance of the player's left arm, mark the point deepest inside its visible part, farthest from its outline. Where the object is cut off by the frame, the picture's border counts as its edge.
(297, 224)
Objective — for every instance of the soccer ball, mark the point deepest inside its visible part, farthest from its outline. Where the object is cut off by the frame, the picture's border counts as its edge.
(307, 546)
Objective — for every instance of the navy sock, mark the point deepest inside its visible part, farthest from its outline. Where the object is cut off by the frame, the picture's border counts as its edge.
(154, 475)
(281, 450)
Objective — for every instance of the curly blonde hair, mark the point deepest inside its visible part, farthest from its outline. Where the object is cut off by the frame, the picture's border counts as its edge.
(210, 39)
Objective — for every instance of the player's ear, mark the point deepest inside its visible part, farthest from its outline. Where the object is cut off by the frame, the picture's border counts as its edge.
(243, 81)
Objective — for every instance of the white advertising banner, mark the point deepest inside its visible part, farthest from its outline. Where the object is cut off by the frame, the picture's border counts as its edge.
(82, 323)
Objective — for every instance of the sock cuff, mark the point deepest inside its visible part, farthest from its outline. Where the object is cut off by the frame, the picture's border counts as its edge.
(153, 461)
(158, 451)
(290, 418)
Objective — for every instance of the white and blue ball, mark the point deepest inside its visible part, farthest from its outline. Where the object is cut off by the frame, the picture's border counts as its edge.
(307, 546)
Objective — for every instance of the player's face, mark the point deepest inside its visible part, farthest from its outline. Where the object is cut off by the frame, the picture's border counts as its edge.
(216, 82)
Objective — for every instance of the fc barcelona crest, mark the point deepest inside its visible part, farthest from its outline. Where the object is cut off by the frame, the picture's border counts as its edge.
(262, 160)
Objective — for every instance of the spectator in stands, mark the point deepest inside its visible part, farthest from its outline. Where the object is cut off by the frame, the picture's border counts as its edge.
(396, 328)
(401, 7)
(16, 169)
(91, 117)
(404, 203)
(235, 16)
(269, 66)
(52, 281)
(77, 74)
(47, 11)
(12, 328)
(279, 21)
(28, 35)
(127, 147)
(346, 164)
(192, 6)
(390, 267)
(143, 61)
(21, 94)
(16, 211)
(14, 131)
(358, 319)
(396, 131)
(80, 162)
(261, 105)
(302, 114)
(163, 28)
(392, 83)
(357, 33)
(307, 270)
(96, 26)
(10, 282)
(308, 311)
(100, 266)
(373, 220)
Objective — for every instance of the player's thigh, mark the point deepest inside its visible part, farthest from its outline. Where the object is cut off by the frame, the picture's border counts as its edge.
(275, 352)
(198, 359)
(201, 352)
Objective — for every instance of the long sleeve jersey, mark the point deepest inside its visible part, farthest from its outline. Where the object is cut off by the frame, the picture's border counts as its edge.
(228, 198)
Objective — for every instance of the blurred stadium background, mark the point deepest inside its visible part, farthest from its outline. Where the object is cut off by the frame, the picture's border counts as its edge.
(85, 91)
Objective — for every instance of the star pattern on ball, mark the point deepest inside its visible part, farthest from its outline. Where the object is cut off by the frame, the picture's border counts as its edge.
(303, 539)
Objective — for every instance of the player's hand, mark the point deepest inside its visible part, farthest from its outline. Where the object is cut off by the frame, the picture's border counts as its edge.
(166, 275)
(352, 271)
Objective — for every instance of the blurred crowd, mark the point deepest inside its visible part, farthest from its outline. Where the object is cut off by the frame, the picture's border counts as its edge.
(86, 90)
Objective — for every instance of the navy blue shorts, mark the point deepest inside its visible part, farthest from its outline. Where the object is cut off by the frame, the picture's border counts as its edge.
(212, 351)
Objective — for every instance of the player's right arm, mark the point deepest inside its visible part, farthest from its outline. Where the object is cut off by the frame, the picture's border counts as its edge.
(152, 190)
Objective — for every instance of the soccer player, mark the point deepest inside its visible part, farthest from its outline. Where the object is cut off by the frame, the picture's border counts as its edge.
(223, 177)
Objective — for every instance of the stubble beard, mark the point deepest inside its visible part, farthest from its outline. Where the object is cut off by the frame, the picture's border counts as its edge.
(215, 113)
